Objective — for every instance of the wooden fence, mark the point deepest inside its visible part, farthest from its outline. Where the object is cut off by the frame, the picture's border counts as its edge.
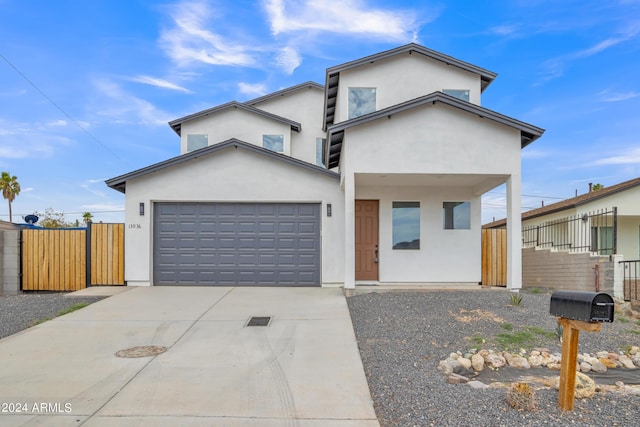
(69, 260)
(494, 257)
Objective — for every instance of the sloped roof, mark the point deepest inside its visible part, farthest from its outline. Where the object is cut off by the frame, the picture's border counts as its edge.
(119, 183)
(176, 125)
(571, 203)
(333, 73)
(283, 92)
(335, 133)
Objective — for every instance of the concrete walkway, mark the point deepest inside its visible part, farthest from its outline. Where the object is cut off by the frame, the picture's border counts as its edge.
(303, 369)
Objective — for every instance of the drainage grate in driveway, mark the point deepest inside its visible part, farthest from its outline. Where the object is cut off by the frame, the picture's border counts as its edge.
(259, 321)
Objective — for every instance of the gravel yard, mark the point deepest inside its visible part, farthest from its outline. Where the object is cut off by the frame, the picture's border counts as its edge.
(403, 336)
(19, 312)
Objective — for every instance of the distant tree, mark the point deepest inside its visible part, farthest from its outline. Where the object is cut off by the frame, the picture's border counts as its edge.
(53, 219)
(597, 186)
(87, 218)
(10, 189)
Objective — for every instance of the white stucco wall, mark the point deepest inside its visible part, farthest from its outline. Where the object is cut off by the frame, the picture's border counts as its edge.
(433, 140)
(228, 176)
(444, 255)
(236, 123)
(305, 106)
(402, 78)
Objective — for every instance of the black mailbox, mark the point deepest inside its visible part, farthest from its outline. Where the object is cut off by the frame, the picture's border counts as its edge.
(580, 305)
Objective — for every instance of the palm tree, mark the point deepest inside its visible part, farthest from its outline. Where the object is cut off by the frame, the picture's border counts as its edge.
(87, 217)
(10, 189)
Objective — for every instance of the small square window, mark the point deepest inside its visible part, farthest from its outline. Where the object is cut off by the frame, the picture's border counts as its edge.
(458, 93)
(196, 141)
(456, 215)
(362, 100)
(273, 142)
(406, 225)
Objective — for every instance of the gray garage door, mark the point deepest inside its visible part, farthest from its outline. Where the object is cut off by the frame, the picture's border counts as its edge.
(237, 244)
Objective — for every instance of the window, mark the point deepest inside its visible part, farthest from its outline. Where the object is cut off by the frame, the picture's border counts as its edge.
(196, 141)
(602, 240)
(273, 143)
(406, 225)
(362, 100)
(319, 150)
(456, 215)
(458, 93)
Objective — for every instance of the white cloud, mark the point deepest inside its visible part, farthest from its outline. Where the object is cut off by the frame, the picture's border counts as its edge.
(161, 83)
(189, 40)
(632, 156)
(555, 67)
(504, 30)
(344, 17)
(534, 154)
(27, 140)
(122, 107)
(608, 96)
(253, 90)
(288, 59)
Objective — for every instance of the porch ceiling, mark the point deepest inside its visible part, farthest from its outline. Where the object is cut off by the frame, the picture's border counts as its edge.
(480, 183)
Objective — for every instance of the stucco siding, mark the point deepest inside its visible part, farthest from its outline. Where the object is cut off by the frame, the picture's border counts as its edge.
(629, 237)
(626, 201)
(432, 139)
(231, 175)
(236, 123)
(305, 107)
(402, 78)
(444, 255)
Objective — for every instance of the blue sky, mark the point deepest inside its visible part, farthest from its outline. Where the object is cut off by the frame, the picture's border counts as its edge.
(87, 87)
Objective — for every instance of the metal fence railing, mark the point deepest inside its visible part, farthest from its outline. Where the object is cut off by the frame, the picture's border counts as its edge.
(589, 232)
(631, 280)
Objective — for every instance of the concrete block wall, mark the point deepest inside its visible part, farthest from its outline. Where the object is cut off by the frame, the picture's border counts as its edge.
(562, 270)
(9, 262)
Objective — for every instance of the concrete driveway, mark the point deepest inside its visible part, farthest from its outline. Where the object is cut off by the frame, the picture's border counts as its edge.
(303, 369)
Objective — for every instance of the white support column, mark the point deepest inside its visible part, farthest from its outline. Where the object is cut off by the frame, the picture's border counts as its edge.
(349, 231)
(514, 233)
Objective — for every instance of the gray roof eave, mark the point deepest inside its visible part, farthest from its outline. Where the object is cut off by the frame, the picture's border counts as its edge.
(333, 73)
(176, 125)
(528, 132)
(286, 91)
(119, 183)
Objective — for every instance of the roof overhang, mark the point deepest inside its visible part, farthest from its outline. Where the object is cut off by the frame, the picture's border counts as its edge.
(284, 92)
(332, 77)
(335, 133)
(176, 125)
(119, 183)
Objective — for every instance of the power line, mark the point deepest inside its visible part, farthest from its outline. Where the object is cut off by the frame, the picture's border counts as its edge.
(74, 121)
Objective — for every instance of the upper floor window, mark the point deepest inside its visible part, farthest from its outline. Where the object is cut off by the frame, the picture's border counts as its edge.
(319, 150)
(405, 222)
(362, 100)
(456, 215)
(196, 141)
(273, 143)
(458, 93)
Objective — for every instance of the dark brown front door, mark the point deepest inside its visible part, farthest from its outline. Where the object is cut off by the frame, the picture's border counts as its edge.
(366, 240)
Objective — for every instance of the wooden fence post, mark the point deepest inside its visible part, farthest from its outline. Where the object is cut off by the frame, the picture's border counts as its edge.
(568, 366)
(88, 253)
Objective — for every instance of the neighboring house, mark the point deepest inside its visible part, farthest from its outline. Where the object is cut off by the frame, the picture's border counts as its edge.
(376, 177)
(604, 221)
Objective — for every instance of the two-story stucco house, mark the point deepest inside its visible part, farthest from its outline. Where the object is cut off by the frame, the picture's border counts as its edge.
(374, 178)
